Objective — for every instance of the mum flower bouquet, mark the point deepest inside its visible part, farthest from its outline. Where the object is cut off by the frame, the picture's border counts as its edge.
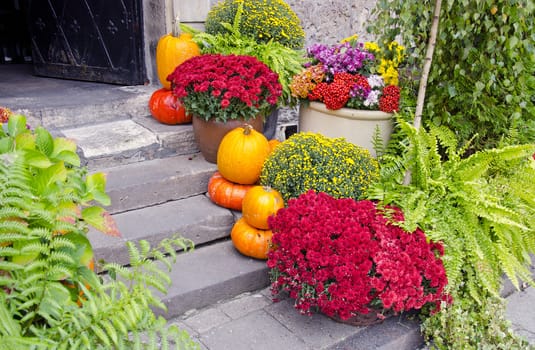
(348, 260)
(225, 87)
(351, 74)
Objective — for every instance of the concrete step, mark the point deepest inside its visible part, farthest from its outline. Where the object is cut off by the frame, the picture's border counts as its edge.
(195, 218)
(117, 142)
(210, 274)
(143, 184)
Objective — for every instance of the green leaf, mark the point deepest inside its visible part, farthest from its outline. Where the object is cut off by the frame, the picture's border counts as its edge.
(16, 125)
(25, 141)
(6, 145)
(44, 141)
(68, 157)
(37, 159)
(101, 220)
(65, 149)
(46, 179)
(96, 188)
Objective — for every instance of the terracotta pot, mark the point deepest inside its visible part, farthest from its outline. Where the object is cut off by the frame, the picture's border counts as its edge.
(208, 134)
(356, 126)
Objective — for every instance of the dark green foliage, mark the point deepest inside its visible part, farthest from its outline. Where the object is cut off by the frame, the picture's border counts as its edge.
(482, 79)
(481, 207)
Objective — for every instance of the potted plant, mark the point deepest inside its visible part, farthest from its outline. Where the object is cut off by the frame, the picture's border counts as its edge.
(310, 161)
(349, 260)
(350, 89)
(267, 30)
(222, 92)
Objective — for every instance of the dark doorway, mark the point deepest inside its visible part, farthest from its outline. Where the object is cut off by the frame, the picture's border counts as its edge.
(14, 36)
(92, 40)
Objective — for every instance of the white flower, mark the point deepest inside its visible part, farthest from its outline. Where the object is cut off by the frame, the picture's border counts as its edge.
(372, 99)
(376, 81)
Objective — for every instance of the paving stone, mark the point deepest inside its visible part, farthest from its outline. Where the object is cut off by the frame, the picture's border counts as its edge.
(258, 330)
(317, 331)
(206, 320)
(136, 185)
(395, 333)
(520, 310)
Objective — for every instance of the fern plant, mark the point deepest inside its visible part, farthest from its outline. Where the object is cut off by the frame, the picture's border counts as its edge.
(482, 207)
(50, 297)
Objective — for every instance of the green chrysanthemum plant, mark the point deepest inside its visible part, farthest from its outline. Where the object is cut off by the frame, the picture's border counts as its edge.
(309, 161)
(262, 20)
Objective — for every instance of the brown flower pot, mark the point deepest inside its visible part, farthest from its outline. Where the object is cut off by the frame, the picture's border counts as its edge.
(208, 134)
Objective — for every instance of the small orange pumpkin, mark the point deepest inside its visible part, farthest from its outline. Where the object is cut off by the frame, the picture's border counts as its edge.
(165, 108)
(272, 144)
(226, 193)
(173, 49)
(259, 204)
(241, 155)
(249, 240)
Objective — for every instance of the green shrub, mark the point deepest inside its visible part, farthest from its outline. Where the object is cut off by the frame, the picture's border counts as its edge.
(262, 20)
(482, 80)
(50, 297)
(309, 161)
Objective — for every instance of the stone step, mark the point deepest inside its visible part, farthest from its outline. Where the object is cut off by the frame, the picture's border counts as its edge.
(127, 141)
(195, 218)
(142, 184)
(210, 274)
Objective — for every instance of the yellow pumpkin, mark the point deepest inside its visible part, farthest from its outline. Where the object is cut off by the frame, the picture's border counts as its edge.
(241, 155)
(259, 203)
(173, 49)
(249, 240)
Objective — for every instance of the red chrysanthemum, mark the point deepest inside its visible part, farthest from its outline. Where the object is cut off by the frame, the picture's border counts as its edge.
(344, 257)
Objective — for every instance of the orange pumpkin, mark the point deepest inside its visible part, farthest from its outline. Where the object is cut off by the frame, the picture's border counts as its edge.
(226, 193)
(249, 240)
(272, 144)
(173, 49)
(241, 155)
(165, 108)
(259, 204)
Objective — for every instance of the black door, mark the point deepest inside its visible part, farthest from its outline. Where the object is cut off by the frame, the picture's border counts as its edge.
(93, 40)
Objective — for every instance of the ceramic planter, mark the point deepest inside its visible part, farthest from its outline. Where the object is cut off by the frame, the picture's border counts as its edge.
(356, 126)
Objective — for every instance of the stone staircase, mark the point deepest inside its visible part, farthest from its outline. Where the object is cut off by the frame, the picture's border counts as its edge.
(157, 181)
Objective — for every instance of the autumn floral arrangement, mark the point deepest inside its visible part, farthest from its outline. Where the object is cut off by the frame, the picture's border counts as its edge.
(224, 87)
(311, 161)
(351, 74)
(347, 258)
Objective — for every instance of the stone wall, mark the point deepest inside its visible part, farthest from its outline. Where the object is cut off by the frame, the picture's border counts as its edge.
(328, 21)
